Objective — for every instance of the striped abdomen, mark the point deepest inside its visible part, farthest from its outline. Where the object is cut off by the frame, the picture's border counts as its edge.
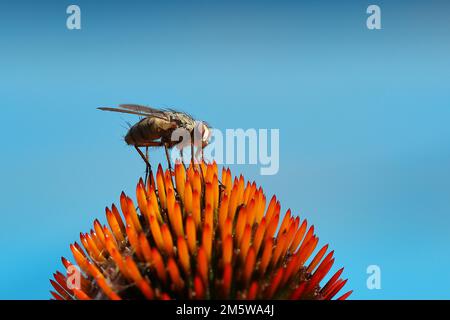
(149, 130)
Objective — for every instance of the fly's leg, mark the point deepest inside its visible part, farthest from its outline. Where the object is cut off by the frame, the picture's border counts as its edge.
(147, 169)
(168, 158)
(169, 163)
(203, 153)
(197, 154)
(182, 158)
(192, 155)
(144, 157)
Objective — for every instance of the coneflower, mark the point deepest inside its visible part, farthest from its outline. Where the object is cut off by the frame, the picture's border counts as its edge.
(199, 239)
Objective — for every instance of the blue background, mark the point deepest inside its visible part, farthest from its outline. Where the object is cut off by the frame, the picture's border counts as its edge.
(363, 117)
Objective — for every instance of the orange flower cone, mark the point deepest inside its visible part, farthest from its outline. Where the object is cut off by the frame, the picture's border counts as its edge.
(202, 238)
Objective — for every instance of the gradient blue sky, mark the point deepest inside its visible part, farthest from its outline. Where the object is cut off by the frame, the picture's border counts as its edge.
(363, 118)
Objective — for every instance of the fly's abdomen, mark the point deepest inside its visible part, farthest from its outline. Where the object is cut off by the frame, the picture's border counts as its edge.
(147, 130)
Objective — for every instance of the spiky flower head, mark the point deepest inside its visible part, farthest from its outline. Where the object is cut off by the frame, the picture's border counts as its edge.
(199, 238)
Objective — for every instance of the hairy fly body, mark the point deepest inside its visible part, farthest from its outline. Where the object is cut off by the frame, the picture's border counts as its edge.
(156, 129)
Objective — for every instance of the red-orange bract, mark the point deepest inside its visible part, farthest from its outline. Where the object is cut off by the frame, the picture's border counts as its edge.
(200, 239)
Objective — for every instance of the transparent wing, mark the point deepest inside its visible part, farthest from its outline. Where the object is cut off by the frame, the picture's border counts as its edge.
(167, 113)
(142, 109)
(137, 111)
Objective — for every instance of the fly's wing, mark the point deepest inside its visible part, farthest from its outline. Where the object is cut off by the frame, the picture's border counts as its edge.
(138, 110)
(180, 118)
(142, 109)
(122, 111)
